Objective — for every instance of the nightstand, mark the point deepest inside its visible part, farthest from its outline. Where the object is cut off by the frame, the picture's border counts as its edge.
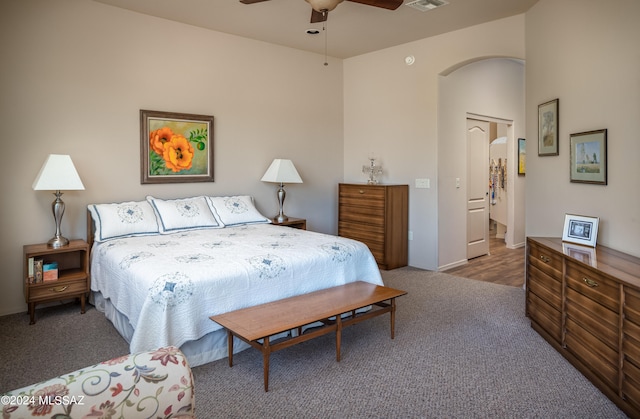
(73, 274)
(300, 223)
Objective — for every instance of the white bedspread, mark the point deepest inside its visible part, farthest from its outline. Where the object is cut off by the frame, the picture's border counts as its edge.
(169, 285)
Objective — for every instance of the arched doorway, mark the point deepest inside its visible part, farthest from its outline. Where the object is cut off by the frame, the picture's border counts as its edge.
(491, 88)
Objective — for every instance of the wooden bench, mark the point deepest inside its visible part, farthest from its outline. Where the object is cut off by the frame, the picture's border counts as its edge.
(257, 323)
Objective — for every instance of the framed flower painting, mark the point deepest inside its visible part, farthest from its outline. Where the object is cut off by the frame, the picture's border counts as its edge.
(175, 147)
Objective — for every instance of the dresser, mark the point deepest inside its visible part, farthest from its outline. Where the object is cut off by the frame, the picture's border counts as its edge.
(378, 216)
(586, 303)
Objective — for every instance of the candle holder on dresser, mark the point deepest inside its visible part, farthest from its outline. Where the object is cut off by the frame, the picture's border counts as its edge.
(372, 170)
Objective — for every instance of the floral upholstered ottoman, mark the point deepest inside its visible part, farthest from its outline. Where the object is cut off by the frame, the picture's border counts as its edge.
(143, 385)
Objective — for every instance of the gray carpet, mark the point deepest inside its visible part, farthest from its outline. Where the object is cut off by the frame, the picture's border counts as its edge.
(463, 349)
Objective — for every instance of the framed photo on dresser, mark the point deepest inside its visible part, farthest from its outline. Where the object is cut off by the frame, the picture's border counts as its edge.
(580, 229)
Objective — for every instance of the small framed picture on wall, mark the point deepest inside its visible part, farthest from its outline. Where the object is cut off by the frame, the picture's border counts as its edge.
(589, 157)
(548, 126)
(522, 156)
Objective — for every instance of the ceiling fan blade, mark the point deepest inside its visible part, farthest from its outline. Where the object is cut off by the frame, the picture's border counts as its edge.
(385, 4)
(251, 1)
(318, 16)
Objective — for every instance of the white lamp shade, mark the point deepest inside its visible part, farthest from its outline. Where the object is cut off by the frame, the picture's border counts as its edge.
(282, 171)
(58, 173)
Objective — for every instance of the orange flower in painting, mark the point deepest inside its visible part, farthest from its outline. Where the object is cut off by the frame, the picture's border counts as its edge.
(158, 137)
(178, 153)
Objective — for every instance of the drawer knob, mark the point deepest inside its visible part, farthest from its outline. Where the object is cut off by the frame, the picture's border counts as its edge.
(590, 282)
(59, 289)
(545, 259)
(361, 191)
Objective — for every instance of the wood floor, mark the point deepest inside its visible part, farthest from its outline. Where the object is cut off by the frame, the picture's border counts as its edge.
(502, 266)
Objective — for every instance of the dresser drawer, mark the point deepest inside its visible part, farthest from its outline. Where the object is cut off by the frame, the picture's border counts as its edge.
(600, 358)
(631, 386)
(545, 287)
(631, 346)
(632, 306)
(548, 262)
(372, 239)
(597, 319)
(545, 315)
(362, 193)
(596, 287)
(57, 289)
(373, 216)
(631, 332)
(368, 233)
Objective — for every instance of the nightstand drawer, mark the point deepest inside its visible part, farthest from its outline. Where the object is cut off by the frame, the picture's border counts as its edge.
(57, 289)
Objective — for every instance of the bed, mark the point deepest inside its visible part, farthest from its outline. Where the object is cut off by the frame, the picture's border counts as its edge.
(160, 268)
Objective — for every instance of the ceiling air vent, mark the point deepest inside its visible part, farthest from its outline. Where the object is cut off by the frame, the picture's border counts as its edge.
(426, 5)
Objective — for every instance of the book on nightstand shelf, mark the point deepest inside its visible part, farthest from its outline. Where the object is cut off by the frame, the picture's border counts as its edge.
(50, 271)
(30, 269)
(37, 271)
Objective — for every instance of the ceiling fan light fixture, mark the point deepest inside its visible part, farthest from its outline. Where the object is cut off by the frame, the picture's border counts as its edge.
(426, 5)
(324, 5)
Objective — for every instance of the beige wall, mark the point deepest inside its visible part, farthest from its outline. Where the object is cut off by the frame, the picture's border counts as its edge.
(586, 53)
(391, 110)
(75, 75)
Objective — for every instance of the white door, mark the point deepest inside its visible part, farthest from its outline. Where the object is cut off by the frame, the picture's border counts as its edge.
(477, 188)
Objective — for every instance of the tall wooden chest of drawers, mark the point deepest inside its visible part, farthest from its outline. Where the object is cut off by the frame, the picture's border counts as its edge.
(377, 215)
(586, 303)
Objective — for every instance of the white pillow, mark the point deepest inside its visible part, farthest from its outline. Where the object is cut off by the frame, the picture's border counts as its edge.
(233, 210)
(183, 214)
(123, 219)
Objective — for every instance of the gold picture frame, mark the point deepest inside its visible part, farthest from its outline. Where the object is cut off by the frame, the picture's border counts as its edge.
(175, 147)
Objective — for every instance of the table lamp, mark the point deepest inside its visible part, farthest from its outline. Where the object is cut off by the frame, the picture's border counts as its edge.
(281, 171)
(58, 173)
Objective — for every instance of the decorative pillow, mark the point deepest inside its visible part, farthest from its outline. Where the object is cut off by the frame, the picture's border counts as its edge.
(233, 210)
(183, 214)
(123, 219)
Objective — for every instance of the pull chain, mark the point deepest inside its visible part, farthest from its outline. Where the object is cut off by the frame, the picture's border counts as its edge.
(324, 29)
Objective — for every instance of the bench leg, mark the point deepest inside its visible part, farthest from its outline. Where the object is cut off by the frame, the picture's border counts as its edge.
(266, 352)
(338, 335)
(393, 317)
(230, 346)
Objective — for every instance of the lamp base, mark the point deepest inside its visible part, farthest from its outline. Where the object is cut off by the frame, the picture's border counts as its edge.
(57, 206)
(281, 218)
(58, 242)
(281, 195)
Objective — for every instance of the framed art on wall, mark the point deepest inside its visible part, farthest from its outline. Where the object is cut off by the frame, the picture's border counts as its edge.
(589, 157)
(580, 229)
(548, 126)
(175, 147)
(522, 156)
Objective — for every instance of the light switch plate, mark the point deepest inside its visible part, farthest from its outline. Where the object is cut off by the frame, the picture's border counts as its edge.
(423, 183)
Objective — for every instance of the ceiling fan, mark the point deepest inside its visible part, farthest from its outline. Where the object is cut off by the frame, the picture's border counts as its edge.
(321, 8)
